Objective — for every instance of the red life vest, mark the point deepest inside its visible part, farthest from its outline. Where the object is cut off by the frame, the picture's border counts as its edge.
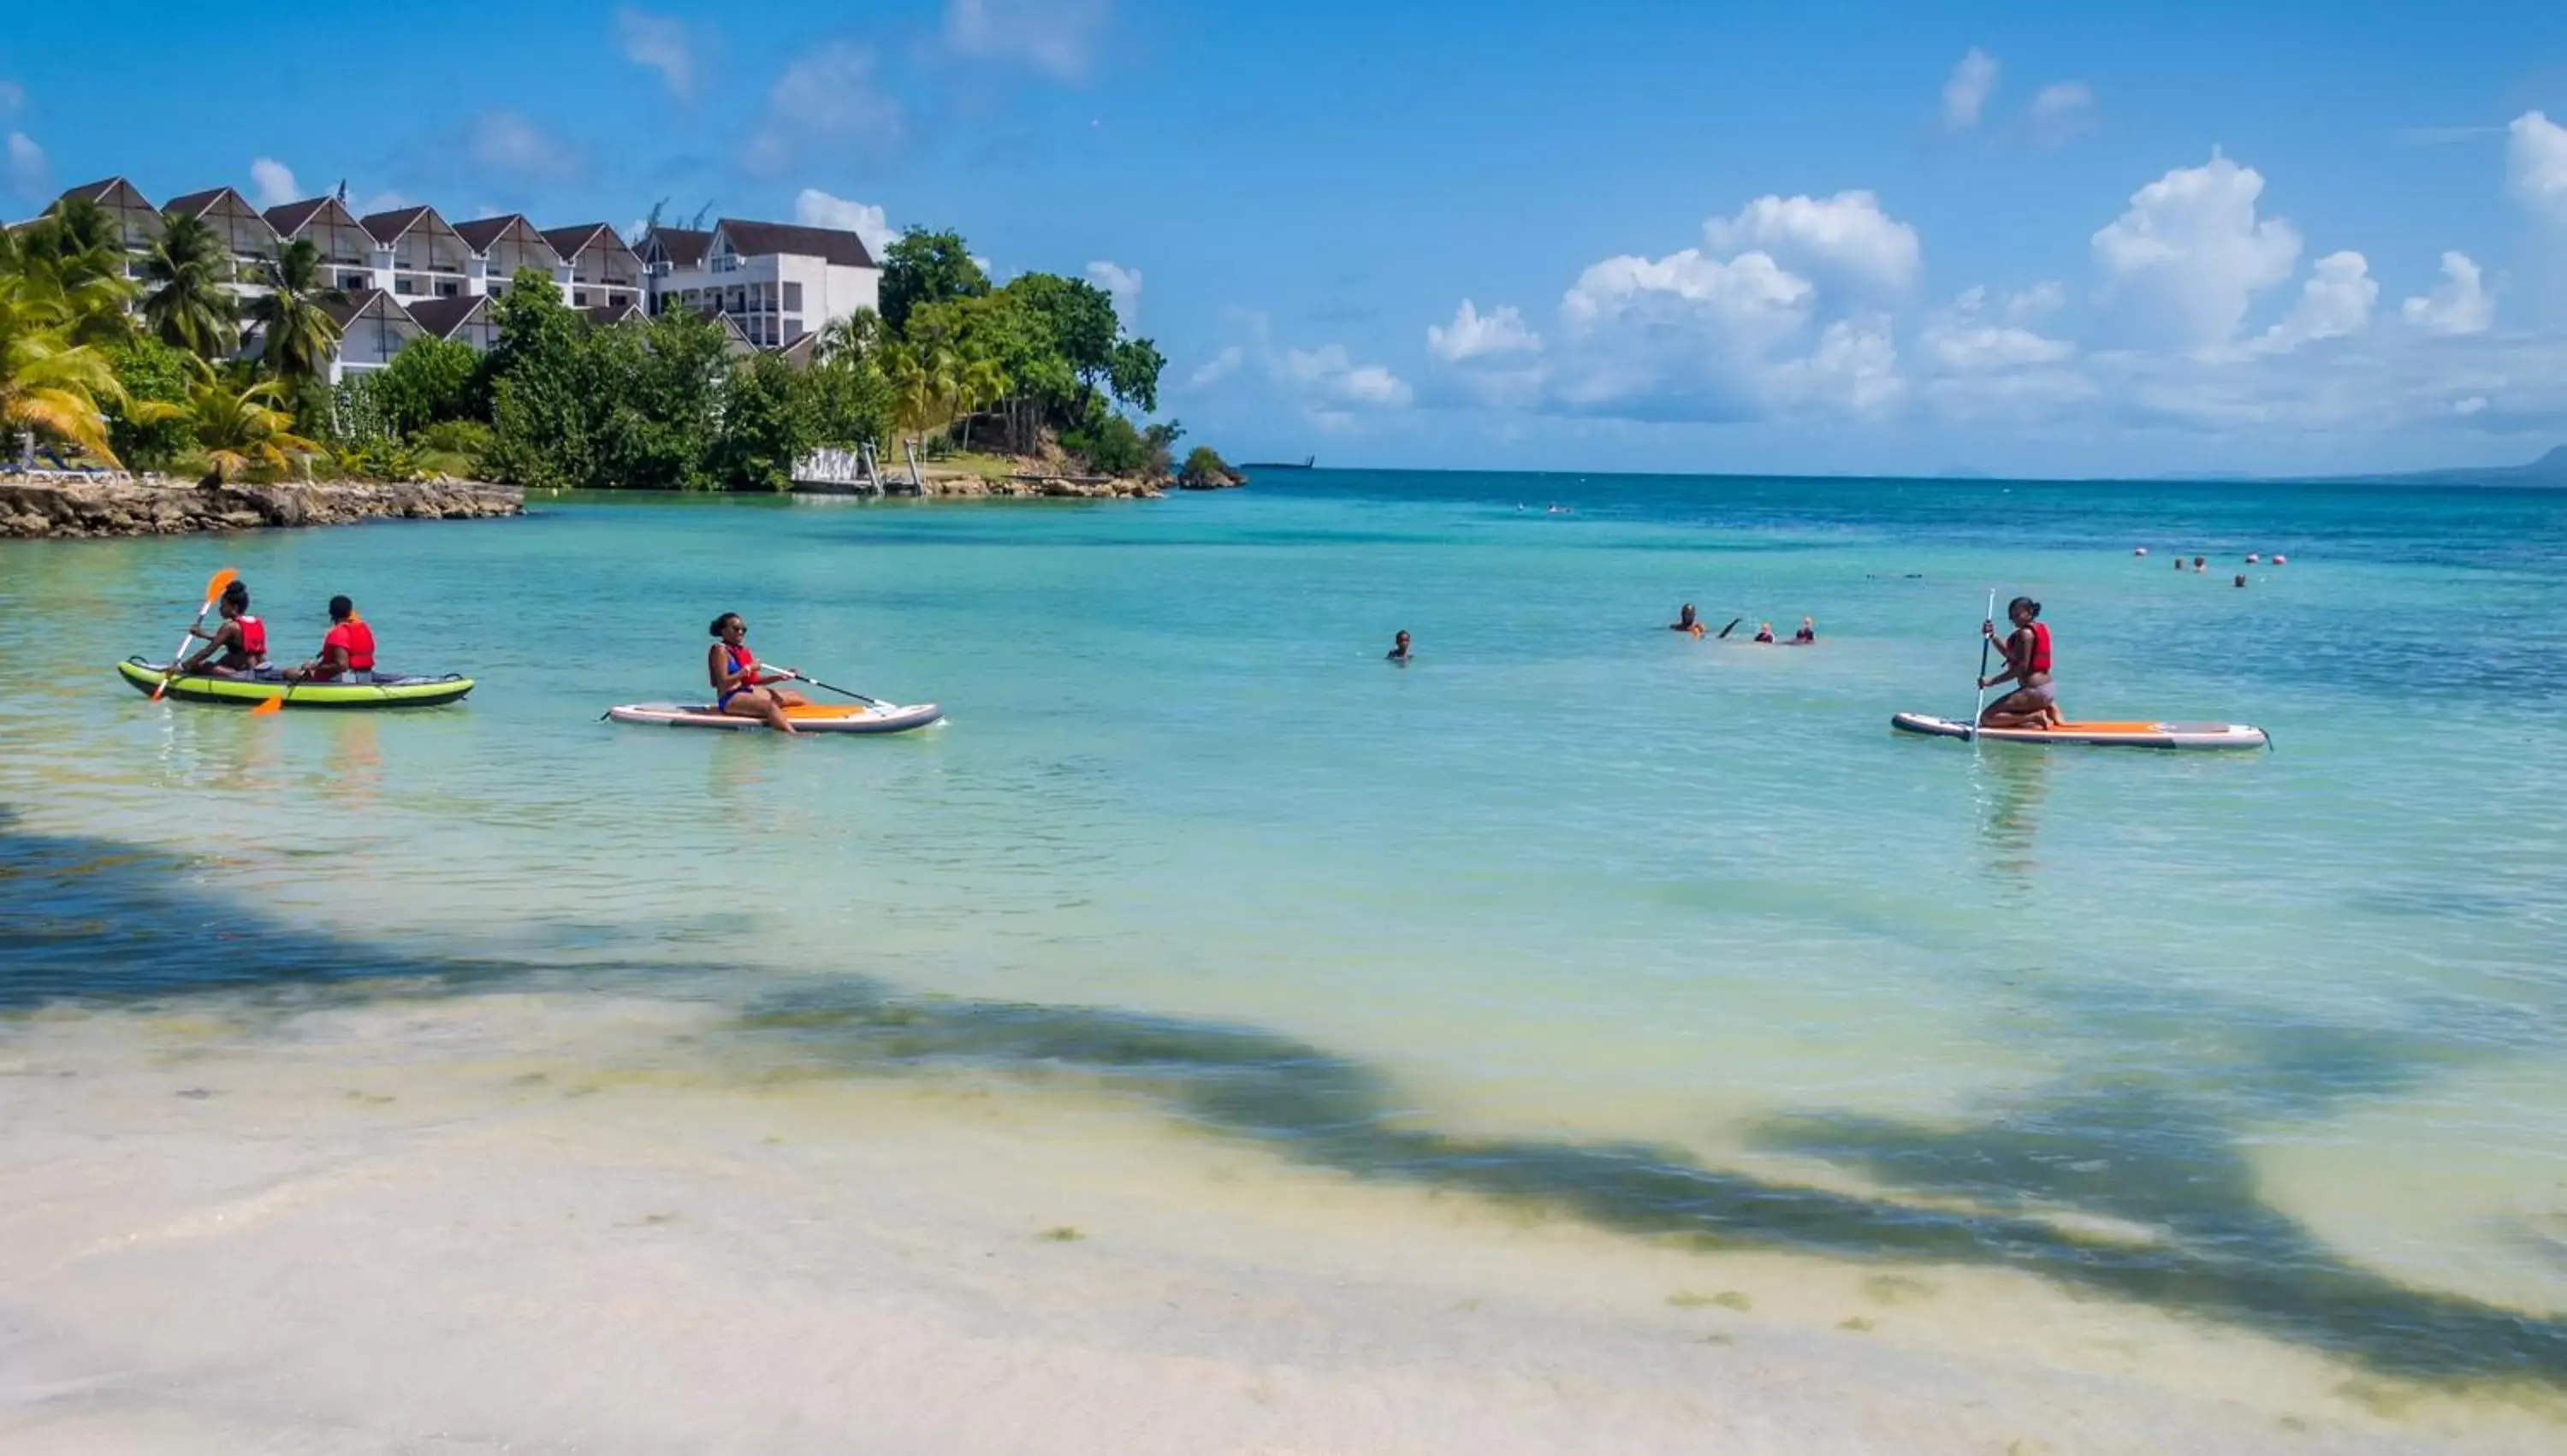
(743, 663)
(253, 636)
(2040, 649)
(357, 639)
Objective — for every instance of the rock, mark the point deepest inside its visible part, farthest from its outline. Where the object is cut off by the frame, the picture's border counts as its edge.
(157, 505)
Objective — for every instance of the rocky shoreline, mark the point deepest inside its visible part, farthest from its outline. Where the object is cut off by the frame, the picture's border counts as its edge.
(157, 506)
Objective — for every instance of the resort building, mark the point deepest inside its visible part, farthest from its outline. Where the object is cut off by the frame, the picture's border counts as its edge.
(408, 272)
(776, 281)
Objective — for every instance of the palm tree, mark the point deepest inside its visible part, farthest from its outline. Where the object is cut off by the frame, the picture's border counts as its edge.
(187, 304)
(50, 384)
(73, 255)
(298, 330)
(981, 382)
(243, 428)
(853, 338)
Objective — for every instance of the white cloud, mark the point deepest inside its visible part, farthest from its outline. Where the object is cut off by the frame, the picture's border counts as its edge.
(1218, 368)
(2189, 255)
(815, 208)
(505, 141)
(1056, 36)
(1846, 236)
(1125, 285)
(382, 203)
(659, 42)
(2060, 111)
(2335, 302)
(2459, 306)
(1966, 91)
(1330, 375)
(2536, 165)
(271, 183)
(2039, 301)
(1975, 346)
(1472, 335)
(12, 96)
(2469, 405)
(26, 163)
(830, 97)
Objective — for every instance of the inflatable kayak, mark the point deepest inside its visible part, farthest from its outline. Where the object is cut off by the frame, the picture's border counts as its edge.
(816, 717)
(2101, 735)
(379, 689)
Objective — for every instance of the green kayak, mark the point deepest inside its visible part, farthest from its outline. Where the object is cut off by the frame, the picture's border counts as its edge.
(379, 689)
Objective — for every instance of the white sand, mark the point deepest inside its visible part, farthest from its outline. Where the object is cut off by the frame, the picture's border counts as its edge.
(489, 1224)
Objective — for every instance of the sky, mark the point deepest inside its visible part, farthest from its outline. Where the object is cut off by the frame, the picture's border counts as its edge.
(2025, 239)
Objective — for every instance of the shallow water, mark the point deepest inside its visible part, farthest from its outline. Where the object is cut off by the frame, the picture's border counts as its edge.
(1675, 938)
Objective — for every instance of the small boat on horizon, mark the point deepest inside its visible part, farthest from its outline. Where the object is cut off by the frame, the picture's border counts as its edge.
(1306, 463)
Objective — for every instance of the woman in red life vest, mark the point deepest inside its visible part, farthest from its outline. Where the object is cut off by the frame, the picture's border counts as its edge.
(2032, 704)
(346, 654)
(237, 644)
(741, 684)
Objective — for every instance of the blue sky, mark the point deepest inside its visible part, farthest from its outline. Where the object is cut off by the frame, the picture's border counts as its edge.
(1887, 237)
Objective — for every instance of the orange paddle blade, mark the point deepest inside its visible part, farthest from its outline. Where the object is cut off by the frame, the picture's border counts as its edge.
(216, 583)
(272, 704)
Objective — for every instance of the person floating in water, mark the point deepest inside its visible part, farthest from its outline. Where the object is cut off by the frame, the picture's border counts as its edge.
(2033, 704)
(1399, 651)
(1686, 621)
(1764, 632)
(1807, 634)
(347, 653)
(738, 688)
(237, 644)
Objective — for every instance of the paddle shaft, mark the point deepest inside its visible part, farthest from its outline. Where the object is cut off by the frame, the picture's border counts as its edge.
(1986, 641)
(833, 687)
(213, 594)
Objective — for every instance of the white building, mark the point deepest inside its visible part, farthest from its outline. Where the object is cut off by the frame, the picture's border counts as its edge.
(776, 281)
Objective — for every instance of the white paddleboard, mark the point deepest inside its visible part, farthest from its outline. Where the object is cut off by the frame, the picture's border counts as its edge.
(2134, 734)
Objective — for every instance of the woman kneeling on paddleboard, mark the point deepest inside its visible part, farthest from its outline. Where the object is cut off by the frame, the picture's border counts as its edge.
(737, 687)
(2033, 704)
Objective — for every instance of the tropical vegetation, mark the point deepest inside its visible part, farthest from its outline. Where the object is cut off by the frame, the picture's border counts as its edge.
(162, 371)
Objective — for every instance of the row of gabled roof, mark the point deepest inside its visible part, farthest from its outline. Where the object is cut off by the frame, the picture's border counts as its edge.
(385, 228)
(445, 317)
(688, 247)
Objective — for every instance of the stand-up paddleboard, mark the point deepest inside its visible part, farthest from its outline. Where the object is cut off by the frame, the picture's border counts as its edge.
(2100, 735)
(815, 717)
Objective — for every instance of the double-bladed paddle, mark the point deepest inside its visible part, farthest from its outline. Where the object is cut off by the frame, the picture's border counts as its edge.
(214, 585)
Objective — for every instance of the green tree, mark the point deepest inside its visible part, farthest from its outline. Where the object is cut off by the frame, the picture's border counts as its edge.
(767, 423)
(429, 381)
(151, 373)
(1205, 469)
(186, 300)
(294, 324)
(851, 400)
(74, 255)
(1132, 371)
(244, 428)
(924, 267)
(539, 419)
(50, 385)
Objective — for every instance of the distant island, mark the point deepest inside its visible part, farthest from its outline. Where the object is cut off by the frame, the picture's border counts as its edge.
(2549, 470)
(1306, 463)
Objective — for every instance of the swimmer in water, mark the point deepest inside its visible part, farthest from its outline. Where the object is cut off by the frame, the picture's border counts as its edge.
(1399, 651)
(1685, 621)
(1765, 632)
(1807, 634)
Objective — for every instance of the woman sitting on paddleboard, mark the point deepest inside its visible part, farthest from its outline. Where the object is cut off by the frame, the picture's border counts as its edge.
(347, 653)
(2033, 704)
(238, 643)
(737, 687)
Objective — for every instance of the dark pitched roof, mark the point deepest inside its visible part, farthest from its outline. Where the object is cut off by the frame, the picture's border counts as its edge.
(835, 245)
(197, 204)
(93, 191)
(388, 226)
(288, 218)
(480, 232)
(443, 316)
(684, 247)
(359, 302)
(568, 241)
(799, 349)
(614, 313)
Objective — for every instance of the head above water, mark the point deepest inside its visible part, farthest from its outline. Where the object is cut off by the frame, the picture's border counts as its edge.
(1685, 615)
(341, 609)
(1401, 640)
(729, 625)
(2022, 610)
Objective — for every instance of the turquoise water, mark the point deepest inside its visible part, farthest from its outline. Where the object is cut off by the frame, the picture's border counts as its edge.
(1673, 936)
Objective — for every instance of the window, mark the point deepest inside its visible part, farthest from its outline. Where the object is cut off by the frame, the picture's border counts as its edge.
(793, 297)
(792, 326)
(449, 290)
(579, 300)
(405, 285)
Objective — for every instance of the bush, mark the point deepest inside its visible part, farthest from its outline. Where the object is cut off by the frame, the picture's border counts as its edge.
(1205, 468)
(154, 370)
(452, 448)
(430, 381)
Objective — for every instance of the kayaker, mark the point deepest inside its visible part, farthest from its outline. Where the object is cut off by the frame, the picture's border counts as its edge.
(740, 689)
(2033, 704)
(1685, 621)
(236, 646)
(1807, 634)
(1399, 651)
(347, 653)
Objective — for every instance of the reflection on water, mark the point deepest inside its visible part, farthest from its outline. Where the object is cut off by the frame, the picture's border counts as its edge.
(2011, 782)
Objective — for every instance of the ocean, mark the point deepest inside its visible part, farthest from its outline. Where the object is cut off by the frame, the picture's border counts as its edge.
(1671, 943)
